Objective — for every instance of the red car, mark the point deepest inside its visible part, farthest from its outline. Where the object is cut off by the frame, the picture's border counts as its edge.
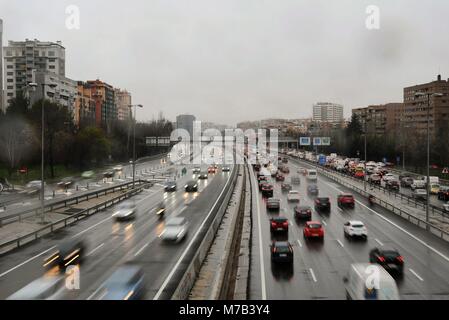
(211, 170)
(346, 200)
(359, 174)
(313, 229)
(280, 177)
(279, 224)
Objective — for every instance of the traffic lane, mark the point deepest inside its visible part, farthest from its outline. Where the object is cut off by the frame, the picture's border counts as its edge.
(96, 230)
(419, 259)
(157, 257)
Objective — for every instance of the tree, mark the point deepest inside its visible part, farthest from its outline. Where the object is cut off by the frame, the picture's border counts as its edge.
(353, 136)
(91, 146)
(18, 105)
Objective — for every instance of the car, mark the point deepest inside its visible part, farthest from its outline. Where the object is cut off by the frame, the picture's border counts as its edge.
(434, 188)
(390, 259)
(226, 169)
(65, 182)
(293, 195)
(406, 182)
(69, 252)
(419, 194)
(203, 175)
(34, 185)
(175, 229)
(280, 177)
(392, 185)
(261, 184)
(211, 169)
(303, 212)
(47, 287)
(295, 180)
(446, 207)
(191, 186)
(281, 252)
(359, 286)
(346, 200)
(262, 178)
(170, 186)
(284, 160)
(284, 169)
(257, 167)
(196, 170)
(313, 189)
(108, 174)
(443, 193)
(313, 229)
(126, 283)
(323, 204)
(312, 175)
(278, 224)
(87, 174)
(374, 178)
(267, 190)
(418, 184)
(125, 211)
(286, 187)
(355, 228)
(273, 204)
(118, 168)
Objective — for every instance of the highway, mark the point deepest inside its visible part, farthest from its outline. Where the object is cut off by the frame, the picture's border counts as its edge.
(318, 268)
(110, 243)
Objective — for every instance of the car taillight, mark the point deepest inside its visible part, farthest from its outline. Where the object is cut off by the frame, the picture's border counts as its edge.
(273, 224)
(285, 223)
(381, 259)
(308, 211)
(274, 249)
(400, 259)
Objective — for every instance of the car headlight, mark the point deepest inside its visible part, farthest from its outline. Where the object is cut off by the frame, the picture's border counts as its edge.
(186, 186)
(195, 186)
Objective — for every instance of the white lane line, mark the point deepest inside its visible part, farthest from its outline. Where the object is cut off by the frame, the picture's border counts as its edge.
(378, 241)
(172, 272)
(312, 274)
(262, 263)
(93, 294)
(340, 243)
(324, 222)
(399, 227)
(299, 242)
(25, 262)
(415, 274)
(339, 209)
(291, 223)
(141, 249)
(93, 226)
(98, 247)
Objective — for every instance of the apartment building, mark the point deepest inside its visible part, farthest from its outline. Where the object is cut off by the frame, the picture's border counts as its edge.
(123, 101)
(327, 112)
(380, 119)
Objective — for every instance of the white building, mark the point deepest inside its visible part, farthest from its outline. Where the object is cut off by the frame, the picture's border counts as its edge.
(122, 101)
(22, 59)
(2, 107)
(327, 112)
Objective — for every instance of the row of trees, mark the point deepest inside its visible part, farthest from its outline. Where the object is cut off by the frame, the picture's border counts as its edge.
(65, 144)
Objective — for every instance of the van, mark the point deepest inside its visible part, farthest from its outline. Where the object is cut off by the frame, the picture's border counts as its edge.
(370, 281)
(311, 174)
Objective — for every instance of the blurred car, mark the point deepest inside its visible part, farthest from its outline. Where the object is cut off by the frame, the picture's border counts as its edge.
(65, 182)
(34, 185)
(390, 259)
(281, 252)
(284, 160)
(125, 211)
(406, 182)
(346, 200)
(358, 279)
(419, 194)
(446, 207)
(170, 186)
(280, 177)
(293, 195)
(392, 185)
(443, 193)
(322, 204)
(126, 283)
(44, 288)
(267, 190)
(196, 170)
(434, 188)
(211, 169)
(69, 252)
(303, 212)
(203, 175)
(261, 178)
(354, 228)
(261, 184)
(191, 186)
(226, 169)
(87, 174)
(374, 178)
(118, 168)
(284, 169)
(312, 189)
(108, 174)
(313, 229)
(175, 229)
(286, 187)
(295, 180)
(278, 224)
(273, 204)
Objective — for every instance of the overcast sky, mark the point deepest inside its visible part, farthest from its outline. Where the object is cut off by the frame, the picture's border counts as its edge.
(233, 60)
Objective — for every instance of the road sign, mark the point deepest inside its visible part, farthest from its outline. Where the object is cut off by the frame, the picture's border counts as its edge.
(322, 159)
(325, 141)
(317, 141)
(304, 141)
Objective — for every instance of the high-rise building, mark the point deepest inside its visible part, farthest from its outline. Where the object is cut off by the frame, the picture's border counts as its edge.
(416, 109)
(123, 101)
(22, 59)
(185, 121)
(380, 119)
(84, 105)
(103, 96)
(2, 102)
(327, 112)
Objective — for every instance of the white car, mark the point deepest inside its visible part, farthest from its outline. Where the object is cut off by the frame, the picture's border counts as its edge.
(35, 184)
(125, 211)
(118, 168)
(175, 229)
(44, 288)
(293, 195)
(355, 228)
(446, 207)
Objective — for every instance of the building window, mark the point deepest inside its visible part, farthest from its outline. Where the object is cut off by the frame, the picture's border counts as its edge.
(51, 67)
(10, 80)
(9, 66)
(51, 53)
(10, 87)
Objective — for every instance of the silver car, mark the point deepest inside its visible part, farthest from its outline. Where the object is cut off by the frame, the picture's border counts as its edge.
(125, 211)
(175, 229)
(44, 288)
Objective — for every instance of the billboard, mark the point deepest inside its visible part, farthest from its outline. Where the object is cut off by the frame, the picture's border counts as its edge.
(157, 141)
(304, 141)
(317, 141)
(325, 141)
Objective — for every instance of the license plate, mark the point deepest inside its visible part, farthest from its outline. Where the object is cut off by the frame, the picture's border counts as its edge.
(283, 255)
(280, 229)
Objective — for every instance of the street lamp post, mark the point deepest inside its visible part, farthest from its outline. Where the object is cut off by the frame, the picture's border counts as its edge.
(134, 141)
(417, 95)
(364, 165)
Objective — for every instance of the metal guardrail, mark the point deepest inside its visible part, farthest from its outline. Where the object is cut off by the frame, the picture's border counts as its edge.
(50, 228)
(64, 203)
(403, 214)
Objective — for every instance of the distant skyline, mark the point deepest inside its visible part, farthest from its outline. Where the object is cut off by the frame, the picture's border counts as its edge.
(232, 61)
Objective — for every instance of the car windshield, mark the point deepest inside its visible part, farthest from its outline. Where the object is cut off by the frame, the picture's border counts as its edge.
(325, 200)
(314, 226)
(390, 254)
(175, 222)
(358, 226)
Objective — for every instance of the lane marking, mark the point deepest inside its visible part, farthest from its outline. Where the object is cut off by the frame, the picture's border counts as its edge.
(313, 274)
(98, 247)
(324, 222)
(415, 274)
(172, 272)
(262, 263)
(378, 241)
(299, 242)
(93, 226)
(291, 223)
(25, 262)
(340, 243)
(141, 249)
